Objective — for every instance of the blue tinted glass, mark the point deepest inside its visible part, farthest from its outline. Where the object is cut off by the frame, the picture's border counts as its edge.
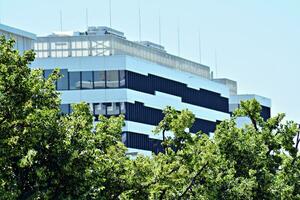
(74, 80)
(62, 83)
(65, 108)
(99, 79)
(87, 80)
(112, 79)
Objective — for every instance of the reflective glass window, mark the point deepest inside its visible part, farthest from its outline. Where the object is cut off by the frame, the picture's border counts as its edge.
(99, 79)
(65, 108)
(99, 109)
(113, 109)
(62, 83)
(122, 78)
(122, 108)
(87, 80)
(74, 80)
(47, 73)
(112, 79)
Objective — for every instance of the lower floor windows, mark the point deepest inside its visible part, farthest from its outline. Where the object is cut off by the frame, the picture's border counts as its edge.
(106, 109)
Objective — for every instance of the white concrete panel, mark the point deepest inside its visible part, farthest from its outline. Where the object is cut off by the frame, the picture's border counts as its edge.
(89, 63)
(236, 99)
(94, 96)
(132, 152)
(144, 129)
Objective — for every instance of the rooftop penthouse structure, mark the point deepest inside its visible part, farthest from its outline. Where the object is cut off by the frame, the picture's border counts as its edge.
(104, 41)
(24, 40)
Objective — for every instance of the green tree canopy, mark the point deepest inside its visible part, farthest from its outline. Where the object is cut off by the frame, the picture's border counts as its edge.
(47, 155)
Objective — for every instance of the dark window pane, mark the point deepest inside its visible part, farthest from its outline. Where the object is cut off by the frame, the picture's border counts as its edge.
(99, 79)
(47, 73)
(113, 109)
(71, 107)
(87, 80)
(74, 78)
(62, 83)
(99, 109)
(112, 79)
(65, 108)
(122, 78)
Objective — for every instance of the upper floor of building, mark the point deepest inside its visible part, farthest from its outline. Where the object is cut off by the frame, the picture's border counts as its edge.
(104, 41)
(24, 40)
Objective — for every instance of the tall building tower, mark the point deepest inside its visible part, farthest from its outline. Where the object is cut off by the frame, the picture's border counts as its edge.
(137, 79)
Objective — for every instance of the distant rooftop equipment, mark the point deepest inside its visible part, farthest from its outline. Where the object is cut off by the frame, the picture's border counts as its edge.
(92, 30)
(105, 41)
(102, 30)
(152, 45)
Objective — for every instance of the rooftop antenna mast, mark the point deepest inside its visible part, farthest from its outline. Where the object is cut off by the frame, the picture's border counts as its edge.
(178, 37)
(60, 16)
(216, 63)
(87, 18)
(159, 29)
(200, 56)
(110, 13)
(140, 22)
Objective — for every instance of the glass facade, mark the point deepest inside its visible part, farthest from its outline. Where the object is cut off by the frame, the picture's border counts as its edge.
(112, 79)
(63, 82)
(88, 79)
(65, 108)
(107, 109)
(99, 79)
(74, 81)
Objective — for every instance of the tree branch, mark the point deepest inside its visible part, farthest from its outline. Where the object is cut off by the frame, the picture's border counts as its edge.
(297, 144)
(192, 181)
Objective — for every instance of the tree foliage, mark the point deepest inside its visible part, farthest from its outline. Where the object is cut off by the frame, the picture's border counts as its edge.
(47, 155)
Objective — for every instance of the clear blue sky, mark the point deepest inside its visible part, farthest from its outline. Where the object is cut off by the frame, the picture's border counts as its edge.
(257, 42)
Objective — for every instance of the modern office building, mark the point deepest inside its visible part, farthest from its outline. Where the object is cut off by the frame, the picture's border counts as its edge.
(137, 79)
(236, 99)
(24, 40)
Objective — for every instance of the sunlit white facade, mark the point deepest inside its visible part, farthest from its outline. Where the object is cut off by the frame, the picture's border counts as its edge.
(24, 40)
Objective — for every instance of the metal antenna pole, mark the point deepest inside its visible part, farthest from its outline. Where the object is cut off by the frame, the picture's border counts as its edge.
(110, 13)
(200, 53)
(60, 15)
(159, 29)
(178, 35)
(87, 18)
(216, 63)
(140, 22)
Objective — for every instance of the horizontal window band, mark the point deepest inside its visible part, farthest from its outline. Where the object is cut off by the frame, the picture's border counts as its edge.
(142, 83)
